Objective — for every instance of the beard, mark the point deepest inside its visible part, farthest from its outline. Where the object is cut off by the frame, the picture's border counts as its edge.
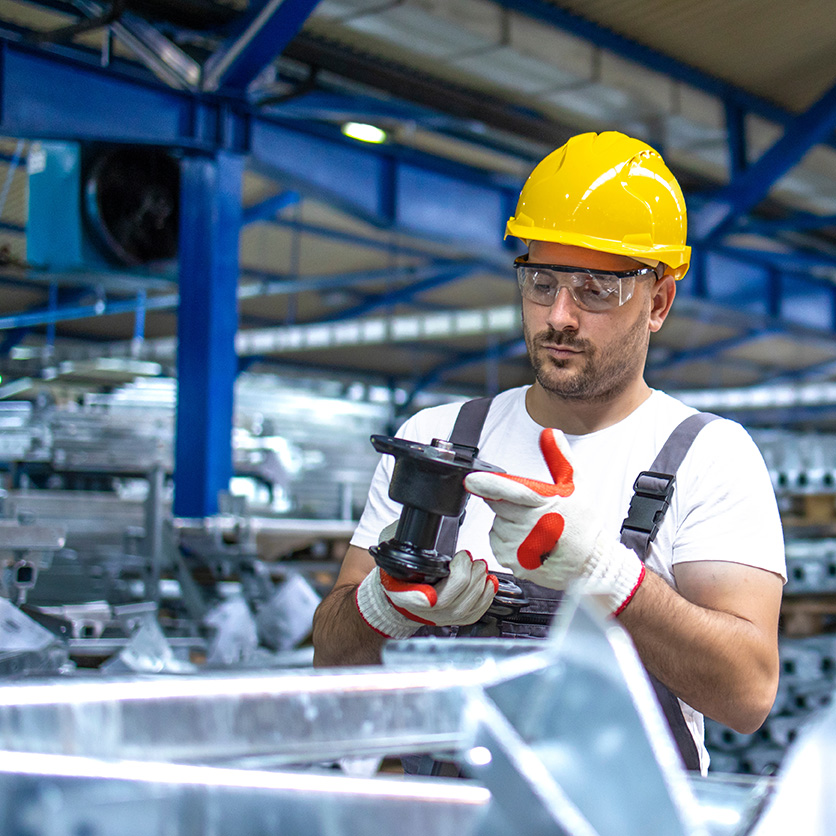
(604, 373)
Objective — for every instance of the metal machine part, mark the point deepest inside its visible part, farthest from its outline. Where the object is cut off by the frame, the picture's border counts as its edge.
(24, 549)
(26, 647)
(428, 480)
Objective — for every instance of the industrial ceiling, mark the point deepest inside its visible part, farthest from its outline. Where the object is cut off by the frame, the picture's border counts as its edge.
(385, 263)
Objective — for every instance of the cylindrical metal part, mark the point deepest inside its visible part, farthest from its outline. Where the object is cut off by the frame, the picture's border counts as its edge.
(418, 528)
(428, 480)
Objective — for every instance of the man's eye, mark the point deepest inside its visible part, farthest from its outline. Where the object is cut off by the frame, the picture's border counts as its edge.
(543, 287)
(596, 287)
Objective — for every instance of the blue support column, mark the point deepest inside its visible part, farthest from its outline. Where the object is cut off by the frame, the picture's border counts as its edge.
(736, 131)
(210, 223)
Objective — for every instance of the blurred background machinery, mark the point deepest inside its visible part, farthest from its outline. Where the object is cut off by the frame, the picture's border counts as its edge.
(90, 541)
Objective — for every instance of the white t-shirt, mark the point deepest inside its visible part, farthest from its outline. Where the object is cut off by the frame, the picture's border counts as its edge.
(723, 506)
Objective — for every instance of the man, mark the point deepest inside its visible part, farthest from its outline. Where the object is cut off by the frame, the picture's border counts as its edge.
(604, 220)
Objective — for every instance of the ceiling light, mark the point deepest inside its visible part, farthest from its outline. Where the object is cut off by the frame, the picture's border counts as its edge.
(364, 132)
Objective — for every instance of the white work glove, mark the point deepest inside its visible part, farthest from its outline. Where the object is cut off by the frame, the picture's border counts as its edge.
(550, 533)
(397, 609)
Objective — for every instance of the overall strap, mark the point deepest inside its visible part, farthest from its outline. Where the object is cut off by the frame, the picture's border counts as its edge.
(653, 490)
(466, 430)
(469, 422)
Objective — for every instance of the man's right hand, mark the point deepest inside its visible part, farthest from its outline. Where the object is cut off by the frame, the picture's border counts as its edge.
(396, 609)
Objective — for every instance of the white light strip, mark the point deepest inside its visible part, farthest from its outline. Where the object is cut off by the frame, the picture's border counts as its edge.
(409, 328)
(323, 335)
(761, 397)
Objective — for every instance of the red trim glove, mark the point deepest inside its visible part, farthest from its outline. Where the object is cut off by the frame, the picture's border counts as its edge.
(549, 533)
(396, 609)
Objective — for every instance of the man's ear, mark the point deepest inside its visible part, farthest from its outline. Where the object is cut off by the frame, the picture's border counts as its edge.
(661, 298)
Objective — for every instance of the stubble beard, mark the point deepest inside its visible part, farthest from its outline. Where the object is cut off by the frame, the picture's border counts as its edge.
(602, 376)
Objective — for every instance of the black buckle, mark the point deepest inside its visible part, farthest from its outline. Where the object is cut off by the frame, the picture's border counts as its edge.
(652, 494)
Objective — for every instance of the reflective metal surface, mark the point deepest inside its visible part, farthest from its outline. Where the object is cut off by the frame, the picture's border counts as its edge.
(47, 795)
(563, 737)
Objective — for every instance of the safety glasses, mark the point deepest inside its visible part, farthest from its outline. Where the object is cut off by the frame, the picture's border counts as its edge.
(592, 290)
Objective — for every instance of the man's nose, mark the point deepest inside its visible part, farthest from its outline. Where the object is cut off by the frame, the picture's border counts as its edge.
(563, 313)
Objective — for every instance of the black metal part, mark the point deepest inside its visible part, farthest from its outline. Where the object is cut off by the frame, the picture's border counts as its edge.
(508, 601)
(428, 480)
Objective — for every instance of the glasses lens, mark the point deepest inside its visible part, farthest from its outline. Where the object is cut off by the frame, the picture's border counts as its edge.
(539, 286)
(597, 292)
(591, 291)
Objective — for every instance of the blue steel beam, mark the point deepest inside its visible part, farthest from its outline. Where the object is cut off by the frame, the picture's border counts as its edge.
(796, 222)
(749, 187)
(341, 107)
(544, 10)
(416, 280)
(397, 247)
(238, 61)
(210, 222)
(69, 313)
(698, 355)
(736, 133)
(795, 261)
(268, 208)
(473, 210)
(442, 202)
(271, 284)
(139, 316)
(37, 92)
(69, 296)
(406, 293)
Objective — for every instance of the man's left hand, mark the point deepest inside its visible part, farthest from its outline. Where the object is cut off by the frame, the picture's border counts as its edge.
(549, 533)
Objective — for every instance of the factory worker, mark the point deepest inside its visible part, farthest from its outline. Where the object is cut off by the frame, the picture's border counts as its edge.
(605, 224)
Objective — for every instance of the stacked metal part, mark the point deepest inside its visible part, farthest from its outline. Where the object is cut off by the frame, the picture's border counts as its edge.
(811, 566)
(803, 471)
(799, 462)
(301, 452)
(118, 587)
(807, 685)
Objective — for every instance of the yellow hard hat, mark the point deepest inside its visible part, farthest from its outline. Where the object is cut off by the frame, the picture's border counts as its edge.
(606, 192)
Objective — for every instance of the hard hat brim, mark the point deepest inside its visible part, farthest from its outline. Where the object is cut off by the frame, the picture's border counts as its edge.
(675, 258)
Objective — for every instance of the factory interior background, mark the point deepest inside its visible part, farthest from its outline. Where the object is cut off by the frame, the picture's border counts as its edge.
(238, 237)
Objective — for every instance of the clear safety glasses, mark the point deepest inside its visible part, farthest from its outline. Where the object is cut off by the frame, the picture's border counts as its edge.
(592, 290)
